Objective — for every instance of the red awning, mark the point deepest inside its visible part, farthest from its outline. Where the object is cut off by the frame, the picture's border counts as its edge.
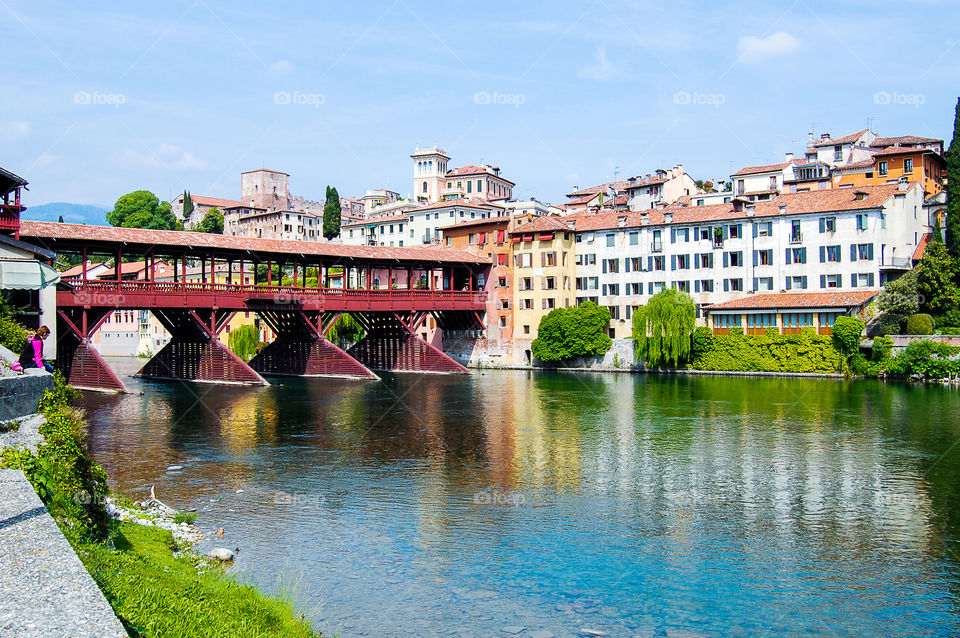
(528, 238)
(545, 236)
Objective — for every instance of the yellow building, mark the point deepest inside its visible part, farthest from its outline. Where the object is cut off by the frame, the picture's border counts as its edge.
(888, 165)
(544, 272)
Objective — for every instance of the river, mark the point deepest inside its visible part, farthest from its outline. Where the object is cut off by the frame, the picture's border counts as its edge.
(534, 503)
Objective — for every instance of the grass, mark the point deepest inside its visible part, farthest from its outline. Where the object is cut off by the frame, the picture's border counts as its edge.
(156, 593)
(184, 517)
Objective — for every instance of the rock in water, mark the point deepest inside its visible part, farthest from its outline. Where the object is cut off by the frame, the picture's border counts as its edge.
(174, 468)
(221, 553)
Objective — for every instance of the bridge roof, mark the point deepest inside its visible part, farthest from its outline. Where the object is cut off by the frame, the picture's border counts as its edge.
(71, 236)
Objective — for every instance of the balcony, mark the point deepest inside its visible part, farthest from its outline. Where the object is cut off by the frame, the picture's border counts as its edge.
(656, 247)
(896, 263)
(796, 237)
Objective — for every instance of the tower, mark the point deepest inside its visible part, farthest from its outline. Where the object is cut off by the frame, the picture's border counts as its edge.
(264, 188)
(429, 171)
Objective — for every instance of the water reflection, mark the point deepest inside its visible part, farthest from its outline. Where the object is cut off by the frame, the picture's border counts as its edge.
(433, 504)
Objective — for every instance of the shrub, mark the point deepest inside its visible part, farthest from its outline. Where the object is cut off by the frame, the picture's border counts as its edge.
(920, 324)
(927, 359)
(948, 330)
(12, 335)
(701, 343)
(859, 365)
(572, 332)
(882, 347)
(805, 352)
(182, 516)
(888, 324)
(846, 334)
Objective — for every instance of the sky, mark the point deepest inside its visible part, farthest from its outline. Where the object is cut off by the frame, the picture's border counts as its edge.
(105, 98)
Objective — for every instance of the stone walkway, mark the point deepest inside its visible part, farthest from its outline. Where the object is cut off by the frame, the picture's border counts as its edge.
(45, 591)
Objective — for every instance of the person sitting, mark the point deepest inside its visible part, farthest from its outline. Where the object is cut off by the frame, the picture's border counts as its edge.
(32, 354)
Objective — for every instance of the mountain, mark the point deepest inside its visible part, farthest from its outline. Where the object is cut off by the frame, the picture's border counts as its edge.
(72, 213)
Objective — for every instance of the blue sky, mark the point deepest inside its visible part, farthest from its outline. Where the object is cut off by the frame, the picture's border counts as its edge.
(105, 98)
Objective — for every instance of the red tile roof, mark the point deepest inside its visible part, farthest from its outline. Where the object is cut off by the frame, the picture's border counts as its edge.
(599, 188)
(215, 201)
(502, 220)
(750, 170)
(902, 140)
(854, 166)
(472, 169)
(789, 300)
(846, 139)
(138, 238)
(373, 221)
(544, 223)
(902, 150)
(472, 202)
(585, 199)
(922, 246)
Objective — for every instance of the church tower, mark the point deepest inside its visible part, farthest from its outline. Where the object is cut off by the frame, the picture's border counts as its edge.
(429, 171)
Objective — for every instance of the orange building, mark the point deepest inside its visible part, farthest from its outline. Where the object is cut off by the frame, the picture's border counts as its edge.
(917, 159)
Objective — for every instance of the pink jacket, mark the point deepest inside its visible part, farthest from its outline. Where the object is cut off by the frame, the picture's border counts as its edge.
(37, 351)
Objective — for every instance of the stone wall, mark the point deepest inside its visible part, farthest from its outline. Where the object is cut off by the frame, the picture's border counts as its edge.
(481, 352)
(20, 395)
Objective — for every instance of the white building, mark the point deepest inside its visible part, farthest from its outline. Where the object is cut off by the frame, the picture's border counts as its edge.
(809, 241)
(417, 226)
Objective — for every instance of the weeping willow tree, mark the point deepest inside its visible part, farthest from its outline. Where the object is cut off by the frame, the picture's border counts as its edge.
(345, 329)
(244, 341)
(663, 328)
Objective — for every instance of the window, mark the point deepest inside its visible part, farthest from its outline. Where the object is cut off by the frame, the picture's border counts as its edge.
(703, 285)
(882, 168)
(736, 232)
(526, 330)
(733, 285)
(762, 320)
(705, 260)
(611, 290)
(446, 240)
(528, 304)
(633, 264)
(796, 256)
(614, 313)
(837, 153)
(827, 319)
(726, 321)
(634, 239)
(908, 165)
(502, 281)
(611, 265)
(763, 257)
(611, 240)
(762, 229)
(526, 283)
(658, 263)
(523, 260)
(862, 280)
(829, 253)
(470, 239)
(546, 304)
(798, 320)
(548, 259)
(861, 221)
(764, 284)
(682, 286)
(830, 281)
(424, 187)
(679, 262)
(734, 259)
(590, 259)
(828, 224)
(861, 252)
(549, 283)
(503, 322)
(501, 259)
(796, 283)
(679, 234)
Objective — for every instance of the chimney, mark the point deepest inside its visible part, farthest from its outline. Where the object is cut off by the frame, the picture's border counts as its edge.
(789, 157)
(903, 184)
(644, 217)
(621, 221)
(668, 218)
(810, 141)
(750, 208)
(825, 137)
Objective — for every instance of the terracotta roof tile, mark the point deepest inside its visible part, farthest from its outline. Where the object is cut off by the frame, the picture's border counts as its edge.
(881, 142)
(922, 246)
(599, 188)
(750, 170)
(787, 300)
(215, 201)
(846, 139)
(544, 223)
(198, 242)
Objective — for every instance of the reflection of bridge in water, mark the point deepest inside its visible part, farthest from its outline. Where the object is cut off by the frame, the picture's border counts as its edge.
(389, 291)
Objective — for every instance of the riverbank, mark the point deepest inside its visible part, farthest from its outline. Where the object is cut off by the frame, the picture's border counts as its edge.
(144, 565)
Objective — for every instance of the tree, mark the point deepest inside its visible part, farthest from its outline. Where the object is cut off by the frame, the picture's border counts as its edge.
(936, 277)
(952, 157)
(212, 222)
(663, 328)
(187, 205)
(331, 214)
(920, 324)
(244, 341)
(572, 332)
(141, 209)
(846, 334)
(60, 219)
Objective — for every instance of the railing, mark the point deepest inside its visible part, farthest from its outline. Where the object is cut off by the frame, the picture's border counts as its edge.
(796, 238)
(656, 247)
(897, 262)
(264, 291)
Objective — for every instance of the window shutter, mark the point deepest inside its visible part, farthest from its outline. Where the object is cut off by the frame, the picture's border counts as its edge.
(804, 281)
(755, 230)
(823, 281)
(823, 224)
(756, 257)
(726, 260)
(786, 258)
(803, 255)
(754, 283)
(673, 262)
(649, 287)
(673, 235)
(626, 265)
(870, 253)
(711, 260)
(823, 254)
(649, 263)
(870, 280)
(853, 252)
(788, 283)
(696, 286)
(726, 285)
(853, 279)
(726, 232)
(604, 269)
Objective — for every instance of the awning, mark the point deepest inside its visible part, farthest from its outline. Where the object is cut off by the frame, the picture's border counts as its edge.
(26, 274)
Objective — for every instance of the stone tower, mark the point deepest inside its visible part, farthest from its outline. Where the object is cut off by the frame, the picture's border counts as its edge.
(264, 188)
(429, 171)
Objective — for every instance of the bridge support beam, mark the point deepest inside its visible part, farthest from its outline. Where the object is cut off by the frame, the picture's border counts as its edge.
(301, 349)
(392, 344)
(194, 352)
(77, 359)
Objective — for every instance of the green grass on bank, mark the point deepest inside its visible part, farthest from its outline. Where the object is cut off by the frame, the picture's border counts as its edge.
(158, 594)
(152, 591)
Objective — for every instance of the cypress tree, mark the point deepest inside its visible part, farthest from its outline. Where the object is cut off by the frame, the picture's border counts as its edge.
(187, 205)
(953, 188)
(331, 214)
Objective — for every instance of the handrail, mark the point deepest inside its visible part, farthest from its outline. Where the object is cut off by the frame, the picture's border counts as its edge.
(81, 285)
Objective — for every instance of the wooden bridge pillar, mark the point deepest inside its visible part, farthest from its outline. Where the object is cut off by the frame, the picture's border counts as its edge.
(194, 352)
(77, 359)
(302, 349)
(391, 343)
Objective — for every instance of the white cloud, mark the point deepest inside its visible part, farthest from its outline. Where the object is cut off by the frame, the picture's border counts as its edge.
(753, 49)
(281, 67)
(166, 156)
(599, 71)
(13, 131)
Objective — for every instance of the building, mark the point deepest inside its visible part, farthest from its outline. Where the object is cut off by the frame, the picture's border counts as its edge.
(273, 224)
(374, 199)
(787, 313)
(889, 164)
(201, 205)
(433, 182)
(842, 150)
(843, 239)
(418, 226)
(544, 274)
(662, 188)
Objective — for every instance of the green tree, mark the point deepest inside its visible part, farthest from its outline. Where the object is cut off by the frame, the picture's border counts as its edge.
(331, 214)
(187, 205)
(244, 341)
(846, 334)
(663, 328)
(920, 324)
(212, 222)
(572, 332)
(952, 157)
(936, 277)
(141, 209)
(345, 330)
